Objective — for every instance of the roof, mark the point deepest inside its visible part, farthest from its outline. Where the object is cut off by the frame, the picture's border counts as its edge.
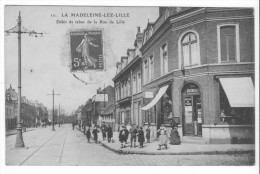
(108, 110)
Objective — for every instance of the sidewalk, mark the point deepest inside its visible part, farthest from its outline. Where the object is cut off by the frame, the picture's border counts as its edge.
(14, 131)
(183, 149)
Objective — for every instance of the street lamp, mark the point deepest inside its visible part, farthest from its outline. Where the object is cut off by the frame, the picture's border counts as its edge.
(18, 29)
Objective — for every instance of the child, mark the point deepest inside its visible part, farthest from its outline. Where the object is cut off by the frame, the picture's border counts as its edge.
(141, 137)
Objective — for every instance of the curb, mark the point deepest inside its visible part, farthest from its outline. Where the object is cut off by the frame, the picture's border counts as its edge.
(119, 151)
(125, 152)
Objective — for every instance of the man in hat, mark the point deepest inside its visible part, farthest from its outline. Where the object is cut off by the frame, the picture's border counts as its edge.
(148, 132)
(95, 133)
(133, 132)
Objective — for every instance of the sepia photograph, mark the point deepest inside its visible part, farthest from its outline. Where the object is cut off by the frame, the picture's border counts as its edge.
(108, 85)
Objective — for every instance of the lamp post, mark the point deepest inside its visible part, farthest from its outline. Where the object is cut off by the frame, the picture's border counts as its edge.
(18, 30)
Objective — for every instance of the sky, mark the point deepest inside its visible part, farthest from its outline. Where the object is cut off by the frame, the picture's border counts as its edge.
(46, 60)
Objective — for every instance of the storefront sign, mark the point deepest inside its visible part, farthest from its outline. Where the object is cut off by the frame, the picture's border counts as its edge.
(188, 101)
(100, 97)
(86, 50)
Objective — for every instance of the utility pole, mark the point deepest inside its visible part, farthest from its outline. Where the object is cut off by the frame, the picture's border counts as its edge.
(53, 129)
(18, 29)
(104, 96)
(59, 114)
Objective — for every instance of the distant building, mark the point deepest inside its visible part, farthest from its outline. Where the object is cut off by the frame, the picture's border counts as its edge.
(10, 108)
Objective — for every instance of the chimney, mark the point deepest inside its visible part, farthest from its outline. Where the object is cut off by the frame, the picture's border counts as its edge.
(138, 29)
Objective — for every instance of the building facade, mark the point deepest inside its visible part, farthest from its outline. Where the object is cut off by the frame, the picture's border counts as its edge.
(198, 70)
(128, 86)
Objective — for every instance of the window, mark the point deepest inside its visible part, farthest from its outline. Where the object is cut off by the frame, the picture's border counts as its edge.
(127, 117)
(134, 84)
(129, 87)
(228, 43)
(139, 82)
(125, 89)
(189, 49)
(116, 93)
(164, 59)
(122, 90)
(145, 71)
(151, 68)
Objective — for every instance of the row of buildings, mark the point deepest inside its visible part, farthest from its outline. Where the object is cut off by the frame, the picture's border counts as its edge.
(32, 112)
(195, 66)
(98, 110)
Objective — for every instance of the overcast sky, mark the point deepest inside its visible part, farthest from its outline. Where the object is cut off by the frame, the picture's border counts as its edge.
(45, 60)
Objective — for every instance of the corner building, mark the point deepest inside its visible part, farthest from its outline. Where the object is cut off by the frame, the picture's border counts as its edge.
(198, 69)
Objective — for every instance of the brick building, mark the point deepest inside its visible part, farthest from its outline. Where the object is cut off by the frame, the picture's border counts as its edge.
(205, 73)
(128, 86)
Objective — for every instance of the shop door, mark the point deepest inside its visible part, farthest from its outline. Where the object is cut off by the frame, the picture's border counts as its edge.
(192, 115)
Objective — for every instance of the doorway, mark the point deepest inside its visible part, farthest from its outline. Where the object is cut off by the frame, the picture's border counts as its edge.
(192, 113)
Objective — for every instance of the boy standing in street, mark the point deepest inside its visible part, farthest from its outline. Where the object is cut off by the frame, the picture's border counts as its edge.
(148, 132)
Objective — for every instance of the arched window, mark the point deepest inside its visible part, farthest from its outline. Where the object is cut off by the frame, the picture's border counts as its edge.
(189, 49)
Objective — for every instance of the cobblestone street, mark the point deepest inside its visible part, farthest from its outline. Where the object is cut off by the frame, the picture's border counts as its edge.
(67, 147)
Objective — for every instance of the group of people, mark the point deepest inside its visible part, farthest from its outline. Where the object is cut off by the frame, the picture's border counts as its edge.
(107, 131)
(136, 133)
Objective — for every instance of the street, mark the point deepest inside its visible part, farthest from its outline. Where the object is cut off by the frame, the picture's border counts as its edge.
(67, 147)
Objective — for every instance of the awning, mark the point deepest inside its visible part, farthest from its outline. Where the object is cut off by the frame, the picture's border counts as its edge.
(240, 91)
(157, 98)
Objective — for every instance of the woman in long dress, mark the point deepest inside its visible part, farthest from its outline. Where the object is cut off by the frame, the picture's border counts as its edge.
(84, 49)
(163, 138)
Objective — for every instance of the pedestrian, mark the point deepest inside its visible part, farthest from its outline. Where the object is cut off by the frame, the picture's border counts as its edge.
(148, 132)
(140, 135)
(84, 129)
(175, 137)
(73, 125)
(127, 134)
(109, 133)
(163, 138)
(104, 132)
(95, 134)
(133, 132)
(88, 134)
(122, 136)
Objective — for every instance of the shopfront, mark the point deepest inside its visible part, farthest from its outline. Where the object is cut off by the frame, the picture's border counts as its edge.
(192, 110)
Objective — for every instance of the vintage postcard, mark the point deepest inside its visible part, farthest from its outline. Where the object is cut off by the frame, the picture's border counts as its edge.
(130, 85)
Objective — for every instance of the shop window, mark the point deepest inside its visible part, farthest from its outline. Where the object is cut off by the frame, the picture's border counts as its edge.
(234, 115)
(127, 117)
(166, 107)
(189, 49)
(228, 43)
